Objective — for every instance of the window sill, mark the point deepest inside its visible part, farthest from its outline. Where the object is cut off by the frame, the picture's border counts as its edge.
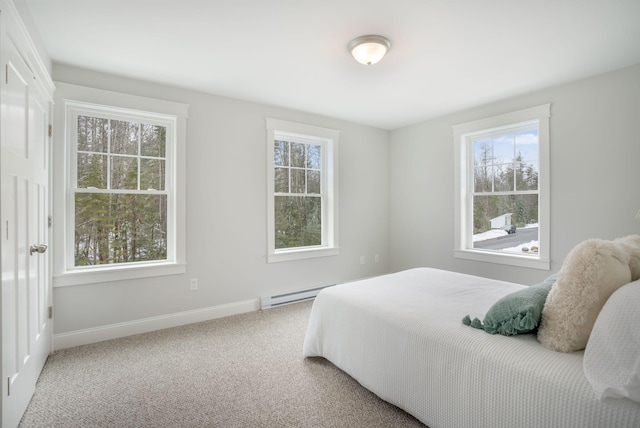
(504, 259)
(299, 254)
(117, 273)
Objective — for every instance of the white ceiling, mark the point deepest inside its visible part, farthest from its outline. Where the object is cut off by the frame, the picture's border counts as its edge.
(446, 55)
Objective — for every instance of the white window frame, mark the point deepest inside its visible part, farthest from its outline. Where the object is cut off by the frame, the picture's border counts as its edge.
(328, 140)
(72, 100)
(463, 159)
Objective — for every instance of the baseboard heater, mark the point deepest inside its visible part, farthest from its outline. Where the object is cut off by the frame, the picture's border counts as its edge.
(267, 302)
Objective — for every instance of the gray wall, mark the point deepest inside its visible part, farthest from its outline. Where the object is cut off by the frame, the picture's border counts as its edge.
(595, 175)
(226, 213)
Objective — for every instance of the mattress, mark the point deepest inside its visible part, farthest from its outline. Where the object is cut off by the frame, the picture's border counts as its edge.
(401, 337)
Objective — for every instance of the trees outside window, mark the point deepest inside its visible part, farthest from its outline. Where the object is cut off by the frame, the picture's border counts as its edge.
(120, 198)
(297, 194)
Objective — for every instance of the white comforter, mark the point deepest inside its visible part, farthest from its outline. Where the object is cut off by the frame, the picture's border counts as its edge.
(401, 336)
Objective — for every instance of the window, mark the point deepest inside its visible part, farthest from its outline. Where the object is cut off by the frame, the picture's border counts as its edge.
(123, 204)
(502, 188)
(302, 189)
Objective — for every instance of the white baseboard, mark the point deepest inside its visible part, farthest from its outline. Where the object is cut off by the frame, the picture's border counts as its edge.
(114, 331)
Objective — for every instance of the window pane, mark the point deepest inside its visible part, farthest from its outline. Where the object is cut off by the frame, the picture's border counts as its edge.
(483, 179)
(527, 165)
(281, 180)
(503, 178)
(152, 173)
(298, 181)
(124, 173)
(503, 149)
(314, 153)
(281, 153)
(527, 146)
(297, 221)
(93, 134)
(124, 137)
(482, 152)
(506, 163)
(527, 178)
(92, 171)
(119, 228)
(154, 139)
(313, 182)
(297, 155)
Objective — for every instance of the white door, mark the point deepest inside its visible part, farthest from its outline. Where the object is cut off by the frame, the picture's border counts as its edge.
(26, 292)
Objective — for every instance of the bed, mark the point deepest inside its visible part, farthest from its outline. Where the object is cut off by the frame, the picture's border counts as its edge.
(401, 336)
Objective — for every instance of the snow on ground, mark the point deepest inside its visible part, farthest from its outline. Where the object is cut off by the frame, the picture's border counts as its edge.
(489, 234)
(496, 233)
(519, 248)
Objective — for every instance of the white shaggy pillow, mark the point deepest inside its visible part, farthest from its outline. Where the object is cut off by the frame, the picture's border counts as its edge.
(612, 357)
(592, 271)
(631, 243)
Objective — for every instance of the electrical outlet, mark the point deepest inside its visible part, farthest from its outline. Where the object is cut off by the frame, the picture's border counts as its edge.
(376, 258)
(193, 284)
(361, 260)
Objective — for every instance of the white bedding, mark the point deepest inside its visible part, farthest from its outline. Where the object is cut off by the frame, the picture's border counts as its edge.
(401, 336)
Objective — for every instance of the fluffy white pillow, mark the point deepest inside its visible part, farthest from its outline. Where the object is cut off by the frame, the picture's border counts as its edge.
(631, 244)
(590, 273)
(612, 357)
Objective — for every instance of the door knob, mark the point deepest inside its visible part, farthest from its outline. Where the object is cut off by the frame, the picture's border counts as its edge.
(37, 249)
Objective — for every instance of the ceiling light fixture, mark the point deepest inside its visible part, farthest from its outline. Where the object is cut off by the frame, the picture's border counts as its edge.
(370, 49)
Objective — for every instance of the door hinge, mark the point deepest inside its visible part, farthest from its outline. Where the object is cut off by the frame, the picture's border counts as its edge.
(49, 221)
(50, 312)
(8, 386)
(50, 131)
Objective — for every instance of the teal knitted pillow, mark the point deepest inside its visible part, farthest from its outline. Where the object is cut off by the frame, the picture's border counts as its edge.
(515, 313)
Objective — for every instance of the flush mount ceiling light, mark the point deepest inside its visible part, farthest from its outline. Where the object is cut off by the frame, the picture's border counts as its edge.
(370, 49)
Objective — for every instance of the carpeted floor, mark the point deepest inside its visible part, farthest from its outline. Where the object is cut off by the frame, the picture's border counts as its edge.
(241, 371)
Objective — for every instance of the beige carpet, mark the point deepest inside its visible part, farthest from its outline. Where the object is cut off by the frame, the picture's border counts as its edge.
(240, 371)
